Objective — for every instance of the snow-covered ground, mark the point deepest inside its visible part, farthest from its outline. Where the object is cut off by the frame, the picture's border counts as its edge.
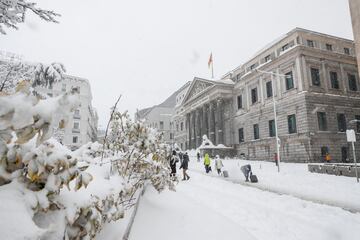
(208, 207)
(294, 179)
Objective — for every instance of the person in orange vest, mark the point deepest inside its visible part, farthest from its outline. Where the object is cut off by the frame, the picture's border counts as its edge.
(327, 157)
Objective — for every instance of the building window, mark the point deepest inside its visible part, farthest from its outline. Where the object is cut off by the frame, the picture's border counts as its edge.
(241, 135)
(322, 121)
(181, 126)
(347, 51)
(254, 97)
(256, 131)
(310, 43)
(315, 76)
(329, 47)
(50, 94)
(177, 127)
(267, 58)
(341, 119)
(76, 125)
(171, 136)
(286, 46)
(352, 82)
(269, 91)
(289, 81)
(272, 129)
(357, 117)
(75, 139)
(63, 87)
(239, 101)
(252, 67)
(334, 80)
(161, 125)
(292, 124)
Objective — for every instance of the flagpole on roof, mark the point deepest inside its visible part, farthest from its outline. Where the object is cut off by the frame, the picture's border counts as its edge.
(211, 63)
(212, 67)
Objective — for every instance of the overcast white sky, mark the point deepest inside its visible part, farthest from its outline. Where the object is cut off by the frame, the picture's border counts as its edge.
(147, 49)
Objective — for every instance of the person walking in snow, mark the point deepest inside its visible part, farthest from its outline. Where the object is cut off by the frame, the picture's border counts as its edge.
(218, 164)
(198, 156)
(180, 154)
(184, 166)
(173, 160)
(246, 170)
(207, 163)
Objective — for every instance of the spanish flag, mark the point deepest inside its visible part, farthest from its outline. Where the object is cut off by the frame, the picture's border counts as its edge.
(210, 60)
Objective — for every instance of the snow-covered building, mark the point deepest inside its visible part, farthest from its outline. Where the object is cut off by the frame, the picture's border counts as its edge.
(178, 120)
(355, 19)
(160, 117)
(82, 125)
(316, 88)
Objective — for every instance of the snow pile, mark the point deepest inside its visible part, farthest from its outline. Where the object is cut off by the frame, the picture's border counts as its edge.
(207, 144)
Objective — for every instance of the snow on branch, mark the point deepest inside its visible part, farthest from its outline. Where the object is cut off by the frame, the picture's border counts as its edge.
(12, 12)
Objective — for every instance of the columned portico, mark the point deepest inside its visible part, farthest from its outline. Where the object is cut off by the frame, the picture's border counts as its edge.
(204, 108)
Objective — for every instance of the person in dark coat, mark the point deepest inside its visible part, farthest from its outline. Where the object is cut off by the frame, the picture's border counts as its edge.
(173, 160)
(184, 166)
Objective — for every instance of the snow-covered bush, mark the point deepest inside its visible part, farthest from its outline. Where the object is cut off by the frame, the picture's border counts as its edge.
(30, 161)
(141, 155)
(43, 75)
(51, 183)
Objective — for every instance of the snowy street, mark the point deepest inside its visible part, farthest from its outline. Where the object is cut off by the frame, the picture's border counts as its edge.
(208, 207)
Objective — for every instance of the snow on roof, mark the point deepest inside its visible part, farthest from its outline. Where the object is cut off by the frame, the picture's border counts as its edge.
(226, 81)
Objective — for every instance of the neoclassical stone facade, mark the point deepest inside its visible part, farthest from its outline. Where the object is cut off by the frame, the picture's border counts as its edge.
(206, 108)
(313, 79)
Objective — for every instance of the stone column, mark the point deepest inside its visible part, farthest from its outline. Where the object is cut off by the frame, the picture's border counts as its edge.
(325, 76)
(194, 130)
(343, 79)
(198, 128)
(189, 131)
(212, 136)
(220, 121)
(205, 121)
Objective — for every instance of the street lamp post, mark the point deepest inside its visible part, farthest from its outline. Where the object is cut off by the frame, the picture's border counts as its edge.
(352, 139)
(277, 142)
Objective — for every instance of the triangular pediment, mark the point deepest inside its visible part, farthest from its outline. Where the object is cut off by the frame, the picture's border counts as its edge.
(197, 87)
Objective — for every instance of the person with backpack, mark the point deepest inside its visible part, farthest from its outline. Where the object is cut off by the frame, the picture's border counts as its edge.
(173, 160)
(207, 163)
(218, 164)
(184, 166)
